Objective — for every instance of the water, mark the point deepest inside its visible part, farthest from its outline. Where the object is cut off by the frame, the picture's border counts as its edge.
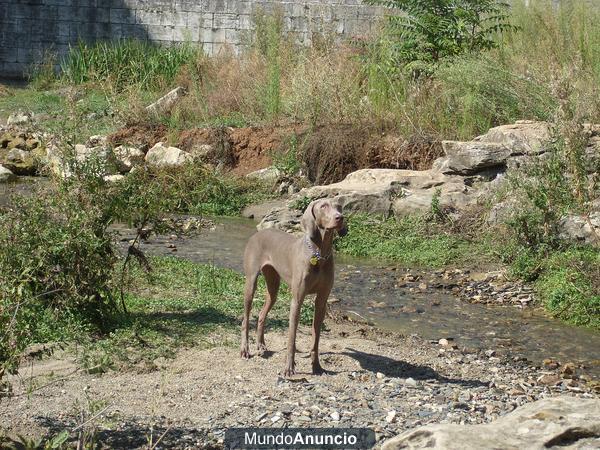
(366, 289)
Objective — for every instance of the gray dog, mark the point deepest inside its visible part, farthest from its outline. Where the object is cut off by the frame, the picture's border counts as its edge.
(305, 264)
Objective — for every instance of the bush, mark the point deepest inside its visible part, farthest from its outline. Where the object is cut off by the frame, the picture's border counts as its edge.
(56, 260)
(426, 32)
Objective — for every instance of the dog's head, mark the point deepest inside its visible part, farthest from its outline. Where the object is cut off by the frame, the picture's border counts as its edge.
(323, 214)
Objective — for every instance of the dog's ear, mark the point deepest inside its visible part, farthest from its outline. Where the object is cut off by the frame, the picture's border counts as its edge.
(309, 221)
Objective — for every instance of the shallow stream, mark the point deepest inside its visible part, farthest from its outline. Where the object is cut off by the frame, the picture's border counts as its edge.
(366, 288)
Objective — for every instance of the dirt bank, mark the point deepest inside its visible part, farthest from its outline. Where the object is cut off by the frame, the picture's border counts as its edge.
(328, 153)
(379, 380)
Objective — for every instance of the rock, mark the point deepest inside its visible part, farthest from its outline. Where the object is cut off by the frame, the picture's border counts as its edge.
(204, 152)
(549, 380)
(391, 416)
(579, 229)
(100, 158)
(17, 142)
(20, 118)
(382, 192)
(21, 162)
(126, 158)
(260, 210)
(490, 353)
(282, 218)
(559, 422)
(114, 178)
(568, 369)
(163, 156)
(444, 342)
(410, 382)
(97, 140)
(551, 363)
(466, 158)
(6, 175)
(268, 174)
(167, 101)
(524, 137)
(335, 416)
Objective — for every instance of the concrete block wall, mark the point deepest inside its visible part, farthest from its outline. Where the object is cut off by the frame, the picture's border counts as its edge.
(31, 28)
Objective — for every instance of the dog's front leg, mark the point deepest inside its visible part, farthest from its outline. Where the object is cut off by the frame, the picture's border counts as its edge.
(298, 295)
(319, 316)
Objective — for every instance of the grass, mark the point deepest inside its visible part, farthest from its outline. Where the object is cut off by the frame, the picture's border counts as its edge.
(410, 241)
(180, 305)
(126, 63)
(568, 283)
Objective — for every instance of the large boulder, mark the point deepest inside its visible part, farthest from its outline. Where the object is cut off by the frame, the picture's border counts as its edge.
(164, 156)
(6, 175)
(524, 137)
(282, 218)
(552, 423)
(500, 147)
(466, 158)
(382, 192)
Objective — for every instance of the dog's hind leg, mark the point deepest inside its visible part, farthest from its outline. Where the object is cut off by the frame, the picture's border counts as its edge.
(249, 289)
(273, 281)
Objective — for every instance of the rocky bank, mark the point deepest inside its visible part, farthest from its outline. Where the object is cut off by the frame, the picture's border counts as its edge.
(381, 380)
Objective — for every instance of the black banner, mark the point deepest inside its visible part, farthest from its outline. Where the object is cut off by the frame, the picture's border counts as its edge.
(299, 438)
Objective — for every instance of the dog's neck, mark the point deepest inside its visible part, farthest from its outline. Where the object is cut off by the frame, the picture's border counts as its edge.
(324, 241)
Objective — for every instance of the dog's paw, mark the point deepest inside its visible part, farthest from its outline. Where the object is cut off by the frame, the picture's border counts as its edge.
(288, 372)
(318, 370)
(245, 353)
(261, 349)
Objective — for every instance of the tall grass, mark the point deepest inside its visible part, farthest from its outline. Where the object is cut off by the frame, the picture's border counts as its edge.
(126, 63)
(277, 80)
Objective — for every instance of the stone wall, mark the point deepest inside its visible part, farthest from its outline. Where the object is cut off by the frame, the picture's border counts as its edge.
(30, 28)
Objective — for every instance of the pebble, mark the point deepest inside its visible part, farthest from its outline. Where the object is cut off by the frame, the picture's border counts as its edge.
(335, 416)
(410, 382)
(391, 416)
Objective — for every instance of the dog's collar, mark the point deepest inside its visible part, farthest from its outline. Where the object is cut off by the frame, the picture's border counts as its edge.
(316, 253)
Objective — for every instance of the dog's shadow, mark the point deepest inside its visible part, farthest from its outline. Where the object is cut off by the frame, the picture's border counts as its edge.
(393, 368)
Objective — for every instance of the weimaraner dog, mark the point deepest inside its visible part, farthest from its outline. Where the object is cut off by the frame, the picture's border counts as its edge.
(305, 264)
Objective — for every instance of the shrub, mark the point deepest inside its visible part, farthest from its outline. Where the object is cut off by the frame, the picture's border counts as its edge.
(426, 32)
(56, 260)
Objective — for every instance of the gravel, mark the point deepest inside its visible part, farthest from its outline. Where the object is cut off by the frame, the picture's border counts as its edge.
(378, 379)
